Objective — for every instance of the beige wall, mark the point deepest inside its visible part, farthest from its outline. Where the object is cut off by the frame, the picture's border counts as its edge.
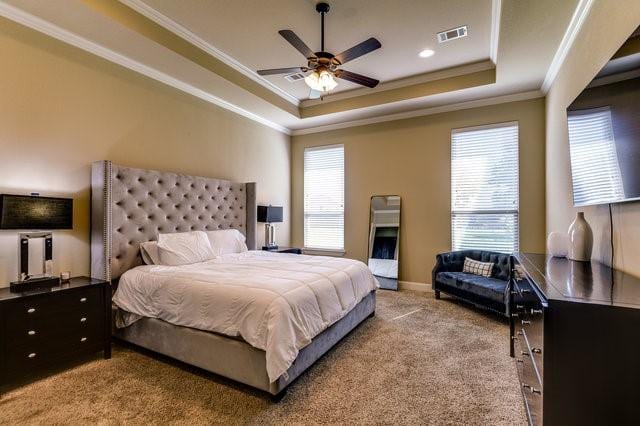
(61, 109)
(608, 25)
(411, 158)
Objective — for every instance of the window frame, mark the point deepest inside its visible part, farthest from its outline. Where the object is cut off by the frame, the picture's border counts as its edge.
(323, 250)
(496, 211)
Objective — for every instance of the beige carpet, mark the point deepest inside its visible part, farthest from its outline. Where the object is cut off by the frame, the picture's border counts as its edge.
(419, 361)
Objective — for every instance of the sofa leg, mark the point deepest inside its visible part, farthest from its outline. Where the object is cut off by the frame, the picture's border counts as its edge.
(437, 292)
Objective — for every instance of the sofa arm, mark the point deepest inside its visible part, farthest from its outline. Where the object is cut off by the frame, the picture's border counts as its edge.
(452, 261)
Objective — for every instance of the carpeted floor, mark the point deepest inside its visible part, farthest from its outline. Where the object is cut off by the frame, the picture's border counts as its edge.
(419, 361)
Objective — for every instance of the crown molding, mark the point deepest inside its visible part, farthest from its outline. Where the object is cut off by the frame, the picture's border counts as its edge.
(442, 74)
(515, 97)
(496, 13)
(182, 32)
(579, 15)
(21, 17)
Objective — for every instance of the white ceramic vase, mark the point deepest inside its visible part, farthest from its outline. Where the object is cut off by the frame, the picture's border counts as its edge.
(580, 239)
(558, 244)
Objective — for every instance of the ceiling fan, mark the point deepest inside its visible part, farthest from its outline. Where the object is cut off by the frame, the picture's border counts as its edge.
(324, 65)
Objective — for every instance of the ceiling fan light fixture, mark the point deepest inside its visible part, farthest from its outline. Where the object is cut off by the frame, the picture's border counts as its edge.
(322, 81)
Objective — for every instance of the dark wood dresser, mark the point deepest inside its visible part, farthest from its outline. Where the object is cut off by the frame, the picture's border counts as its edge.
(575, 335)
(43, 329)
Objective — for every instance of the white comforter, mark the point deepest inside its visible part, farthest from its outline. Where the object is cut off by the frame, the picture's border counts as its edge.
(276, 302)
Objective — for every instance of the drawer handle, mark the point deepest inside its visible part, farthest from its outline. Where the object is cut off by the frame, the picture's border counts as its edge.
(519, 333)
(525, 322)
(532, 389)
(519, 307)
(32, 355)
(84, 339)
(31, 310)
(31, 332)
(83, 300)
(536, 350)
(83, 319)
(519, 360)
(536, 311)
(525, 353)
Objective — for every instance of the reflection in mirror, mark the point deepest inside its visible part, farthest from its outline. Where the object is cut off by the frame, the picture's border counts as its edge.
(384, 239)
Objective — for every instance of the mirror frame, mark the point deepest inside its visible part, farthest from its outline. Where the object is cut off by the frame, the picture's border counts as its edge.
(370, 230)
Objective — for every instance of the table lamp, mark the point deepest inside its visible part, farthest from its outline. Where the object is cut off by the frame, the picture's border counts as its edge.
(39, 215)
(269, 215)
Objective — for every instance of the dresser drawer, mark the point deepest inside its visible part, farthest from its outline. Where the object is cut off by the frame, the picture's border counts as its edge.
(531, 390)
(39, 353)
(45, 329)
(532, 322)
(48, 306)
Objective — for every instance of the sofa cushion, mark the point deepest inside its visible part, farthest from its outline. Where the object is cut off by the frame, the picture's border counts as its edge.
(490, 288)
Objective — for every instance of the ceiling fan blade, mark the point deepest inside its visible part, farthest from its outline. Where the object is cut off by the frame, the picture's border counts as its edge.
(358, 50)
(296, 42)
(280, 71)
(357, 78)
(315, 94)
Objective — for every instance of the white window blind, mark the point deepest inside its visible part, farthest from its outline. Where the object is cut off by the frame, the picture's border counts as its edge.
(484, 188)
(594, 161)
(324, 197)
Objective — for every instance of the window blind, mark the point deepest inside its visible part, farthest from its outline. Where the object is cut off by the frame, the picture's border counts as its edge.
(594, 160)
(324, 197)
(484, 188)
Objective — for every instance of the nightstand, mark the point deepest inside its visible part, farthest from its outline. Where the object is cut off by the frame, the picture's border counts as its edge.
(42, 329)
(282, 249)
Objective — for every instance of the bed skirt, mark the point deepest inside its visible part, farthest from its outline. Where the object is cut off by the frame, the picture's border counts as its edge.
(232, 357)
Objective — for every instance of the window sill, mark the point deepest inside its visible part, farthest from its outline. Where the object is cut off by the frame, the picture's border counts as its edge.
(323, 252)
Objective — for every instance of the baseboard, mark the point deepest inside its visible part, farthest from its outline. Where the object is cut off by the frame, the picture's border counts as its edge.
(415, 286)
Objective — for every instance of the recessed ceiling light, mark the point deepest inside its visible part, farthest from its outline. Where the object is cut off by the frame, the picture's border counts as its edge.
(426, 53)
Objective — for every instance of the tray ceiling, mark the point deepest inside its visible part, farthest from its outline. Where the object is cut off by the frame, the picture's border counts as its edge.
(212, 50)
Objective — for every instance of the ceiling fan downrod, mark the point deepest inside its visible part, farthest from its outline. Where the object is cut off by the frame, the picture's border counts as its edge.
(322, 8)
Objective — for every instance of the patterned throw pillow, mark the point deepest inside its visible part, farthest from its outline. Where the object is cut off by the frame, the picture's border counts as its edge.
(477, 268)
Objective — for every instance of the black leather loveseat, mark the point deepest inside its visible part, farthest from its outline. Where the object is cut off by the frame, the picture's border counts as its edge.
(490, 293)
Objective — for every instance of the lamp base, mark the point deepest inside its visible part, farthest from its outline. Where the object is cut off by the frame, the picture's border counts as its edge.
(33, 284)
(267, 248)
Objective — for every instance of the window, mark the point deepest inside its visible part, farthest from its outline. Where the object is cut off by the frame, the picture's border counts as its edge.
(484, 188)
(594, 160)
(324, 197)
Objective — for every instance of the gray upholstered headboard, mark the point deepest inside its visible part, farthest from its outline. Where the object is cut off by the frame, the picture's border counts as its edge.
(130, 206)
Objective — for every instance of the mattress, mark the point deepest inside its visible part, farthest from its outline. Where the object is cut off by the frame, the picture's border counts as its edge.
(276, 302)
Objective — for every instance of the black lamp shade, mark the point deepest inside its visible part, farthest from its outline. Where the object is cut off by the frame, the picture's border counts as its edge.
(35, 213)
(269, 214)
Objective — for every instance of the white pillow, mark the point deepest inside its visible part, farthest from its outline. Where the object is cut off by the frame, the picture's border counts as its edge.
(184, 248)
(225, 241)
(149, 252)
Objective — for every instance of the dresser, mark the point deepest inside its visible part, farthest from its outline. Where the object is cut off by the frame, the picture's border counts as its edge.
(575, 336)
(43, 329)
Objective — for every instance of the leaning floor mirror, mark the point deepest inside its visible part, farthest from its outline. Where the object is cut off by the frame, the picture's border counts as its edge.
(384, 239)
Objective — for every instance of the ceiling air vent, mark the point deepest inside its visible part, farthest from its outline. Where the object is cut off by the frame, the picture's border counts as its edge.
(294, 77)
(452, 34)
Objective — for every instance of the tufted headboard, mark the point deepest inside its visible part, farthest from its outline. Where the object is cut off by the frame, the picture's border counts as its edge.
(130, 206)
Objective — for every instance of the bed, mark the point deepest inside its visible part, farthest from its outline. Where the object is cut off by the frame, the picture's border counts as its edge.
(288, 310)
